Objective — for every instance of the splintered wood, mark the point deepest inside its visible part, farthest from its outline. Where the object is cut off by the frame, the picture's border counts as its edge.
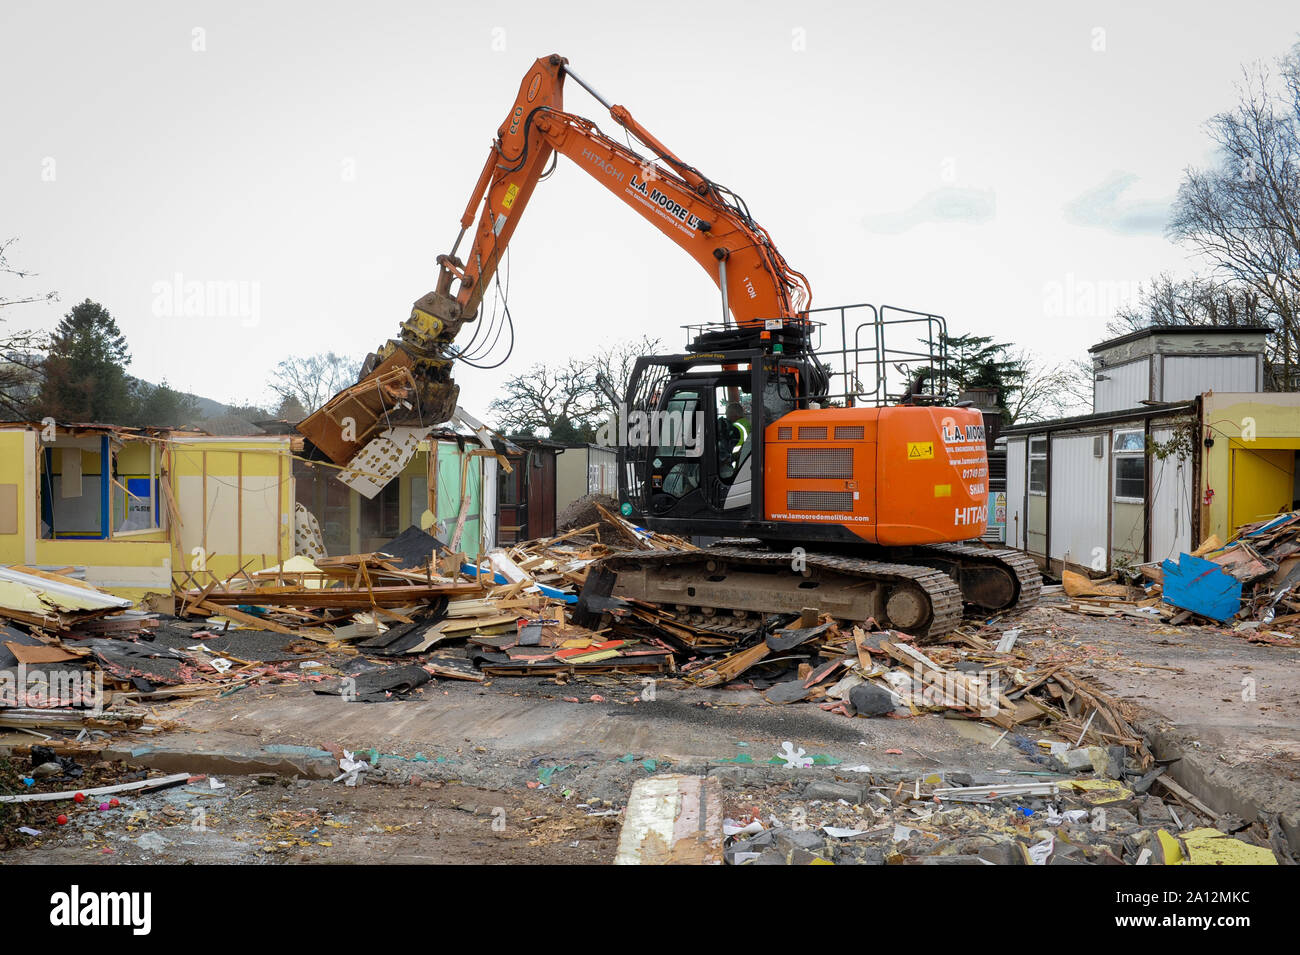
(1251, 584)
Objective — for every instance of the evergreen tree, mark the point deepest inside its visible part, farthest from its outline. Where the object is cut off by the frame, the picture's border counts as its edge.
(979, 361)
(290, 409)
(84, 375)
(162, 406)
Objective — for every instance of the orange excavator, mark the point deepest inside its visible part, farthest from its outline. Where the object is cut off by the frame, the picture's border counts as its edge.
(830, 463)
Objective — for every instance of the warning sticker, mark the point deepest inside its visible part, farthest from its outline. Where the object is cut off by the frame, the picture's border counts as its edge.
(509, 199)
(920, 450)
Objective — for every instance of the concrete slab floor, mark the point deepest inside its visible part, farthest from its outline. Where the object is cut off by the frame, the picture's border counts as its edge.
(1238, 698)
(500, 734)
(255, 821)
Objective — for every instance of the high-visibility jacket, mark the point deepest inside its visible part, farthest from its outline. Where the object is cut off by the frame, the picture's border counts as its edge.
(743, 427)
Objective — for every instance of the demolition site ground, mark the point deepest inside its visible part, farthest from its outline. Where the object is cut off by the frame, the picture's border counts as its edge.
(539, 770)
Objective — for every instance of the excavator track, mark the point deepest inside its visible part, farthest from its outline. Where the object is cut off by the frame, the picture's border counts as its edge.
(991, 580)
(716, 587)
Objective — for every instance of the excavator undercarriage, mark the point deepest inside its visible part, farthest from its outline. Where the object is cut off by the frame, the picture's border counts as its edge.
(729, 589)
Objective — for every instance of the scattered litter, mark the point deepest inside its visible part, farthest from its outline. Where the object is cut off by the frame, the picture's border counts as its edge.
(353, 769)
(1040, 852)
(790, 758)
(838, 832)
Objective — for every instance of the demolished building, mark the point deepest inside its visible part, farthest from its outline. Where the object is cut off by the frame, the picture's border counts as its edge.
(140, 510)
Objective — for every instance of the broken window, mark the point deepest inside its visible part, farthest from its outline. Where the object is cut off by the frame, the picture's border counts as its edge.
(137, 504)
(96, 487)
(329, 502)
(381, 515)
(1130, 466)
(1038, 465)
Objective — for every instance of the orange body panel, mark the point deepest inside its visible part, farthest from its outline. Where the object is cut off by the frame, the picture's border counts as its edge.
(893, 476)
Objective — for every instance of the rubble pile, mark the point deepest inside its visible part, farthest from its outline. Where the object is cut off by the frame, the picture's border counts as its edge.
(1251, 584)
(380, 626)
(936, 821)
(881, 673)
(57, 634)
(374, 627)
(333, 621)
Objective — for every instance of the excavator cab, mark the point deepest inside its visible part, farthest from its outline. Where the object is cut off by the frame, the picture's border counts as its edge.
(703, 447)
(847, 460)
(695, 462)
(786, 429)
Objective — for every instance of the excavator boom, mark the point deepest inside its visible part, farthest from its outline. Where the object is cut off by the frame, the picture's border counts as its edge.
(704, 218)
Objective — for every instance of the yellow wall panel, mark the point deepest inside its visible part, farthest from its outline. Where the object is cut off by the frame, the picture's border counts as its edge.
(236, 504)
(18, 467)
(1253, 422)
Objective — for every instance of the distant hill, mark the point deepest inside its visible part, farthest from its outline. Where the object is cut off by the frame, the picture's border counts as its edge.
(208, 408)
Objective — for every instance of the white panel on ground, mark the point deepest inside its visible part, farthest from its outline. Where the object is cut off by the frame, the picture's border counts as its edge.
(672, 820)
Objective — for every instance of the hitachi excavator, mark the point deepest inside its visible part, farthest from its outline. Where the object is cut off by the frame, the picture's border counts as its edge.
(827, 460)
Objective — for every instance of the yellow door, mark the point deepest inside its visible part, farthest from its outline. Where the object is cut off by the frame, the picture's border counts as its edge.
(1263, 483)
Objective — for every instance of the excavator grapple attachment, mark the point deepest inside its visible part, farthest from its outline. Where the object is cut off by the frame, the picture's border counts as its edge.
(425, 347)
(436, 394)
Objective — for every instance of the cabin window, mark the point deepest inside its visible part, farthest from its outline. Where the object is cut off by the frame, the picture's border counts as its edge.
(1130, 466)
(1038, 465)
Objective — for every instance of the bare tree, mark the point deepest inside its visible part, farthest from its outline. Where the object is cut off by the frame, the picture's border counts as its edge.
(568, 403)
(1198, 300)
(1048, 390)
(314, 379)
(1243, 216)
(291, 409)
(613, 367)
(22, 351)
(562, 403)
(7, 269)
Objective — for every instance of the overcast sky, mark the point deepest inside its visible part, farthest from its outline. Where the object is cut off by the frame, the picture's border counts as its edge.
(1010, 170)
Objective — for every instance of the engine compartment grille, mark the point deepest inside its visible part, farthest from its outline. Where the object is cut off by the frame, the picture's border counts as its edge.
(827, 463)
(840, 502)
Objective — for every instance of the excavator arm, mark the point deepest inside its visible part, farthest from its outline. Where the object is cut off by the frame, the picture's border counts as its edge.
(704, 218)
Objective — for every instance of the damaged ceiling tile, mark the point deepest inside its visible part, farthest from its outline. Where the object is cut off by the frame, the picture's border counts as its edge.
(381, 460)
